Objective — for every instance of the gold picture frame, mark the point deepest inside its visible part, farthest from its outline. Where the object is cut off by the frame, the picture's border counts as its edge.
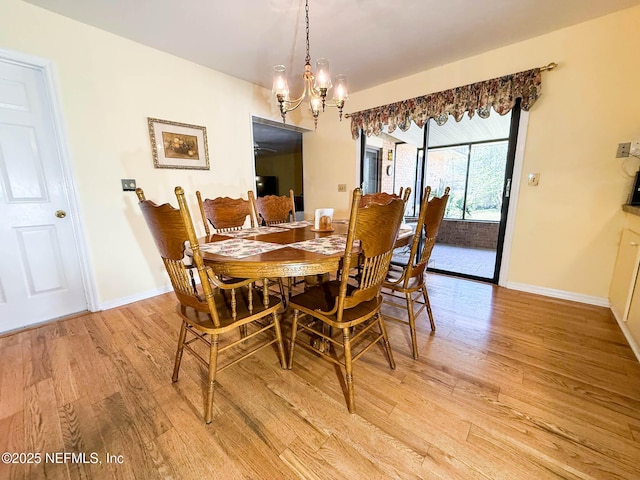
(178, 145)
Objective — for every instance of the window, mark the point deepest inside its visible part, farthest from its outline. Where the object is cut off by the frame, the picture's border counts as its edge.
(475, 173)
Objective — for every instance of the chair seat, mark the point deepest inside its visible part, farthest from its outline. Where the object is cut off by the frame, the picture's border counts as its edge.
(322, 297)
(394, 274)
(202, 320)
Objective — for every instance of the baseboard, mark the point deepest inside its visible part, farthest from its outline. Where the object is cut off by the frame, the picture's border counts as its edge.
(627, 335)
(550, 292)
(119, 302)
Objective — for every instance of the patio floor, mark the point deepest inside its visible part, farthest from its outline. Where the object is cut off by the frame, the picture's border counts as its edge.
(479, 262)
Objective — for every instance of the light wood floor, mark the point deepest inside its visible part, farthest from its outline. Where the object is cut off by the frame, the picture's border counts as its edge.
(511, 386)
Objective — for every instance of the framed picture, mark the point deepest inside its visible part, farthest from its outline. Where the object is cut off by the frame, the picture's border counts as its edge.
(178, 145)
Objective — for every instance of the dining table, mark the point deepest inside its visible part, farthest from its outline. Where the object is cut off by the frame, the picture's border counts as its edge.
(291, 249)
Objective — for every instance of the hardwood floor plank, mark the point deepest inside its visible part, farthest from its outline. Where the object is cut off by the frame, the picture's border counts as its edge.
(547, 437)
(42, 430)
(37, 364)
(307, 464)
(12, 374)
(530, 462)
(197, 444)
(557, 400)
(391, 455)
(576, 430)
(592, 393)
(12, 440)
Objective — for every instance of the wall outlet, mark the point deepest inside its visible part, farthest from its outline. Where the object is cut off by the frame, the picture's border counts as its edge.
(623, 150)
(342, 187)
(128, 184)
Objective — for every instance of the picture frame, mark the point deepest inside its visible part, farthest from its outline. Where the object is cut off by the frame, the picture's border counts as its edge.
(178, 145)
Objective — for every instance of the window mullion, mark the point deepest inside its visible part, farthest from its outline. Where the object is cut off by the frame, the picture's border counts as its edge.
(466, 182)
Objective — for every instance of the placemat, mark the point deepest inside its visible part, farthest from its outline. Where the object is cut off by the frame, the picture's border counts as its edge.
(252, 232)
(239, 247)
(300, 224)
(329, 245)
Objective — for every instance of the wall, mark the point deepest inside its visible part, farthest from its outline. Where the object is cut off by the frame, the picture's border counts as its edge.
(567, 229)
(108, 86)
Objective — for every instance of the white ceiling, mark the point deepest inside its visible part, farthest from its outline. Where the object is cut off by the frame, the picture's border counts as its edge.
(371, 41)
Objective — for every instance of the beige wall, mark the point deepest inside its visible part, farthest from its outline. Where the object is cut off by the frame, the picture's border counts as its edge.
(567, 228)
(108, 86)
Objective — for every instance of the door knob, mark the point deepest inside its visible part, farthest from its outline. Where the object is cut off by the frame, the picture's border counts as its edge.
(61, 213)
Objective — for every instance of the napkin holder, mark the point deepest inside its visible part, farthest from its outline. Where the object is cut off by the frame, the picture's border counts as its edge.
(322, 220)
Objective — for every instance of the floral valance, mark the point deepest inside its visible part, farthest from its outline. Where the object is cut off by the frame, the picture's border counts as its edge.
(500, 93)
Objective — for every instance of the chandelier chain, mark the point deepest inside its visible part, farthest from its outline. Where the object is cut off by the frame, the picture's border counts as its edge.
(306, 10)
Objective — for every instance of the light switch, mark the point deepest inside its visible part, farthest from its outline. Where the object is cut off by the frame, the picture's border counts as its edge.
(534, 179)
(128, 184)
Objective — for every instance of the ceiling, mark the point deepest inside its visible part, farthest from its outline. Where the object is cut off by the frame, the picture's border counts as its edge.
(371, 41)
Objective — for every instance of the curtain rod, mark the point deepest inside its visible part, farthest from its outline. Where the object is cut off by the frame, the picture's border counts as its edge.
(551, 66)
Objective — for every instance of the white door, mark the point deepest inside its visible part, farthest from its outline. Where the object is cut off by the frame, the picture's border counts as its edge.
(40, 272)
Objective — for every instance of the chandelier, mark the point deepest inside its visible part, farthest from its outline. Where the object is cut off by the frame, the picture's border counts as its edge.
(315, 86)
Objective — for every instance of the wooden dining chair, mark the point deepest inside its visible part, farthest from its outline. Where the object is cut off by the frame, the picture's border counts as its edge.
(217, 310)
(382, 197)
(340, 314)
(378, 197)
(408, 280)
(225, 214)
(273, 209)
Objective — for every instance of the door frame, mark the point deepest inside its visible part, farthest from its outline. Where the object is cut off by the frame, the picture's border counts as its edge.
(378, 152)
(46, 67)
(519, 121)
(518, 161)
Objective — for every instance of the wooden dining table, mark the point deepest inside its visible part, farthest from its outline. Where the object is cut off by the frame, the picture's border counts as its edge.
(282, 260)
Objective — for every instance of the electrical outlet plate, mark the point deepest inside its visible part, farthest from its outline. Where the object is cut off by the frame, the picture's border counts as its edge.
(534, 179)
(128, 184)
(623, 150)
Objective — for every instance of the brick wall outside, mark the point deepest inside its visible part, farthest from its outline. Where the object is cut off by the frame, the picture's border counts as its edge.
(466, 233)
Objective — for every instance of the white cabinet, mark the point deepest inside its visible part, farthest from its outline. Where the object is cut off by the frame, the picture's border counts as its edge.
(633, 315)
(625, 274)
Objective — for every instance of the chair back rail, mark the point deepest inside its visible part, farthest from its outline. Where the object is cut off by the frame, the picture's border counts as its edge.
(172, 230)
(383, 198)
(225, 214)
(429, 221)
(375, 226)
(274, 209)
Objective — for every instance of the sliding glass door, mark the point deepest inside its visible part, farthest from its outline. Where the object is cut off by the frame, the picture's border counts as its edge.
(474, 157)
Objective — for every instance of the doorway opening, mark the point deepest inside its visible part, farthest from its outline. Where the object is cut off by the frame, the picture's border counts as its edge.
(277, 151)
(475, 158)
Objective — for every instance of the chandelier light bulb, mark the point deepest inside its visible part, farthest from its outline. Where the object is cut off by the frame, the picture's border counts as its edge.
(340, 90)
(323, 77)
(280, 86)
